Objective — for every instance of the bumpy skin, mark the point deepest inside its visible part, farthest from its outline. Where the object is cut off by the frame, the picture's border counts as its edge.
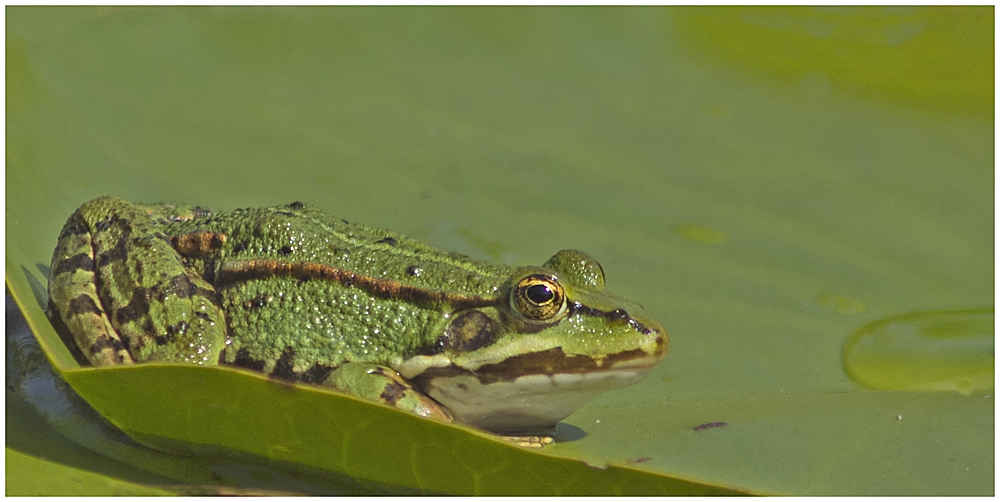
(301, 295)
(123, 289)
(124, 292)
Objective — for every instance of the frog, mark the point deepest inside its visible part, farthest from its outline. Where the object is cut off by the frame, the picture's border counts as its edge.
(305, 297)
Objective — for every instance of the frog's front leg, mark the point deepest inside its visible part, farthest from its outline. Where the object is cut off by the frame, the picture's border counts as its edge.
(384, 385)
(125, 293)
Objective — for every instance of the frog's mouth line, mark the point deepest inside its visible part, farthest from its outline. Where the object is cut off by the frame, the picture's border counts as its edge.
(529, 394)
(552, 362)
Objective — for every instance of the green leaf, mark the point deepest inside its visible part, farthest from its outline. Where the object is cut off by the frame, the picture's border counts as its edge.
(766, 182)
(30, 476)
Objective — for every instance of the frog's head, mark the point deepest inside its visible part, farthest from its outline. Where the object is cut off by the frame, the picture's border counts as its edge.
(552, 341)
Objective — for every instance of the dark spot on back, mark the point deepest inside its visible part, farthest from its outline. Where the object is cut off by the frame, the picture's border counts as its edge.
(283, 368)
(118, 347)
(296, 205)
(116, 253)
(285, 250)
(64, 334)
(260, 301)
(387, 240)
(75, 226)
(244, 360)
(239, 247)
(139, 342)
(81, 261)
(83, 304)
(393, 392)
(103, 225)
(174, 330)
(102, 342)
(180, 286)
(137, 307)
(316, 374)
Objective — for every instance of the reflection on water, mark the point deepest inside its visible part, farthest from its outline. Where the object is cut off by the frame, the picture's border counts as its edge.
(30, 377)
(937, 350)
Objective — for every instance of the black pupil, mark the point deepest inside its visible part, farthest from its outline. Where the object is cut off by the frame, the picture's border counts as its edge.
(539, 293)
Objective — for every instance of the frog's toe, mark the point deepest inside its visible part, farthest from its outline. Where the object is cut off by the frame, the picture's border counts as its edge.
(384, 385)
(529, 441)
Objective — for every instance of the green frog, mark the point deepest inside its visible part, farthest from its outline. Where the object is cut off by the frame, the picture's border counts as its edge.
(302, 296)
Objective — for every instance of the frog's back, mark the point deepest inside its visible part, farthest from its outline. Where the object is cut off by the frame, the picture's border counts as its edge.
(308, 291)
(299, 232)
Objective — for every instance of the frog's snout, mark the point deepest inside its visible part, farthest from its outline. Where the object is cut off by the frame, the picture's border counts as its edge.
(662, 339)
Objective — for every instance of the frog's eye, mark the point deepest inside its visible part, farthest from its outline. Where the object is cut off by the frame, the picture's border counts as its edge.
(539, 298)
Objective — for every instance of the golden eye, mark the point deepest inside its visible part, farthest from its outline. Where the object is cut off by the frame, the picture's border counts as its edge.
(539, 298)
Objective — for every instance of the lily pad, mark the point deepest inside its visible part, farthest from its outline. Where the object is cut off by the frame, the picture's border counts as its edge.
(762, 208)
(32, 476)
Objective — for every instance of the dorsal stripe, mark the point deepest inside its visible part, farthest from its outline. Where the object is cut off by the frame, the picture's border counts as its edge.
(238, 271)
